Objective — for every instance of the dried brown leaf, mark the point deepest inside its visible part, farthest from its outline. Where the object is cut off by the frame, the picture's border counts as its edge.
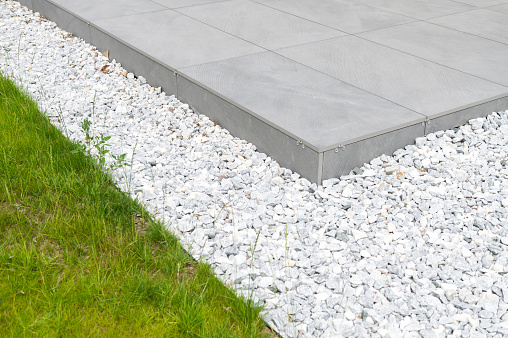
(104, 69)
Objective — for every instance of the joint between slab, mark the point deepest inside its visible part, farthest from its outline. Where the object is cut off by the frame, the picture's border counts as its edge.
(320, 168)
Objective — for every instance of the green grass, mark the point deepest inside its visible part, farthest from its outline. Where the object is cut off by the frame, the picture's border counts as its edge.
(80, 258)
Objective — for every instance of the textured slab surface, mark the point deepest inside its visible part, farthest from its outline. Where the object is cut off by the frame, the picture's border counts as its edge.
(483, 3)
(100, 9)
(176, 39)
(261, 25)
(419, 9)
(465, 52)
(482, 22)
(316, 108)
(345, 16)
(501, 8)
(183, 3)
(412, 82)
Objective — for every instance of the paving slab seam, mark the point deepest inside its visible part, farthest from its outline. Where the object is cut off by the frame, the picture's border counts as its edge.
(437, 63)
(261, 3)
(457, 30)
(204, 22)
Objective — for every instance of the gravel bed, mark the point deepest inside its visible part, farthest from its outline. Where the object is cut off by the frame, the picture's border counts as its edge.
(409, 245)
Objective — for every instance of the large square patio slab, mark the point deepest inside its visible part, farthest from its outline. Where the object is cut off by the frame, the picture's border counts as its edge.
(320, 86)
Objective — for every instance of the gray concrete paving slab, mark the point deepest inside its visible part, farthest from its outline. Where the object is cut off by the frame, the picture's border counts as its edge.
(482, 22)
(263, 26)
(316, 108)
(482, 3)
(420, 85)
(184, 3)
(176, 39)
(419, 9)
(345, 16)
(323, 101)
(100, 9)
(468, 53)
(500, 8)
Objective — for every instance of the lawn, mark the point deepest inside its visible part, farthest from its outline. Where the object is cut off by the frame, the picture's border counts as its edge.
(80, 258)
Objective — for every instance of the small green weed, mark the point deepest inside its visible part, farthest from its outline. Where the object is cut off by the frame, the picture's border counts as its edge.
(80, 258)
(99, 143)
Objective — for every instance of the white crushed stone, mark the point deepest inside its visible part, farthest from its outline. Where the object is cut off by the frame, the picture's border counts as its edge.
(414, 245)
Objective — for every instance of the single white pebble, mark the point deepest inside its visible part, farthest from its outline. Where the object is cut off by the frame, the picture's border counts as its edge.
(498, 267)
(448, 245)
(349, 315)
(466, 252)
